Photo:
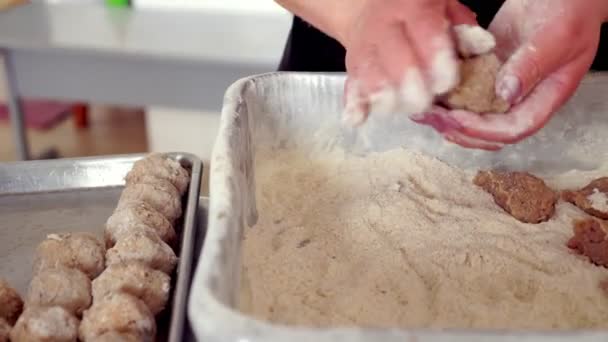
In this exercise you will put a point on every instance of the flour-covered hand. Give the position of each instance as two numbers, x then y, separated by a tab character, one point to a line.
548	47
400	55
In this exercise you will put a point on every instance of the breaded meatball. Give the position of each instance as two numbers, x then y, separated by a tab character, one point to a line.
149	285
144	247
45	324
592	199
524	196
160	195
75	250
60	286
113	336
5	330
141	216
11	304
590	240
159	166
120	313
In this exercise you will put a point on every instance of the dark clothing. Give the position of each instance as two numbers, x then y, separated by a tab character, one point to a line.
308	49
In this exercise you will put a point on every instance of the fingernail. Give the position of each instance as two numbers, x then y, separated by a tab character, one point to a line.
444	72
509	88
415	97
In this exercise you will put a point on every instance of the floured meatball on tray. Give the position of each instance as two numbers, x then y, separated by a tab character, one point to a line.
97	249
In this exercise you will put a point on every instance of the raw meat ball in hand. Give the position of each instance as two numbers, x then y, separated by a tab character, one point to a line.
5	330
137	215
590	240
136	279
60	286
160	195
82	251
158	166
11	304
524	196
120	313
593	199
476	92
144	247
45	324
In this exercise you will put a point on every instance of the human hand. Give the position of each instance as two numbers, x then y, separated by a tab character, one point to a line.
548	46
400	55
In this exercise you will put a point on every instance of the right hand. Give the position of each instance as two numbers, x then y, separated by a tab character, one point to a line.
400	55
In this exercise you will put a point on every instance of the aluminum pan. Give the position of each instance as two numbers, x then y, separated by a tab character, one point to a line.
41	197
302	111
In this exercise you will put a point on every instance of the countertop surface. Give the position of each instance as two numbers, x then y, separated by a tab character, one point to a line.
221	34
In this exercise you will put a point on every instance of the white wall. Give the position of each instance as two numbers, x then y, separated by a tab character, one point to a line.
169	129
195	131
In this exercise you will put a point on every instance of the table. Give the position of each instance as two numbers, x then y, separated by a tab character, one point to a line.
145	57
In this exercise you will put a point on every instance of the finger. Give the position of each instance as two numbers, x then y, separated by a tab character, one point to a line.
438	118
530	115
460	14
470	38
367	82
356	108
404	71
533	61
473	40
429	31
468	142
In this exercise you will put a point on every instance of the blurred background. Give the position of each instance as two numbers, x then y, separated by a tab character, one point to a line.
59	49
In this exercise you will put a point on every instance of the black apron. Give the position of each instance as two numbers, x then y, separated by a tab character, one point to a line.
308	49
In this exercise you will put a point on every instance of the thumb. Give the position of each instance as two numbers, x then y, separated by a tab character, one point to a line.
528	65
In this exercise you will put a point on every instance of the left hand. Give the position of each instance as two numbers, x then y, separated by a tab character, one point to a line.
548	46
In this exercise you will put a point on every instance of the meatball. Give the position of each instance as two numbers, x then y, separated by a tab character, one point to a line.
60	286
5	330
160	195
144	247
141	215
113	336
158	166
590	240
11	304
120	313
149	285
592	199
45	324
74	250
524	196
476	91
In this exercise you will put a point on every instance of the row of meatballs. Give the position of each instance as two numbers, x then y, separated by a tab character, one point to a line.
90	290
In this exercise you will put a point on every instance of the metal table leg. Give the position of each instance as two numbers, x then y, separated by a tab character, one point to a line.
14	107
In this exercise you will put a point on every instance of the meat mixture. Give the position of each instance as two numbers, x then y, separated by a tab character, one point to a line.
400	239
524	196
593	198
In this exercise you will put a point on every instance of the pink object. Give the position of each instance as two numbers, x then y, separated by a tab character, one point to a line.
41	114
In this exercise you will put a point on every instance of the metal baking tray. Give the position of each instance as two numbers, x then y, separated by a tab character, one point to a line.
303	111
38	198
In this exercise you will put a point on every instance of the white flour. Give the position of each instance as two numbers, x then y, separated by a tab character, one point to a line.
599	201
403	240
